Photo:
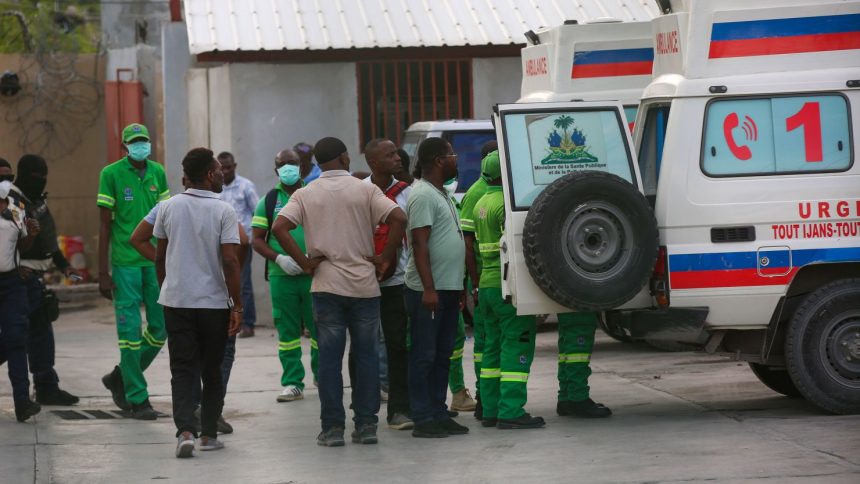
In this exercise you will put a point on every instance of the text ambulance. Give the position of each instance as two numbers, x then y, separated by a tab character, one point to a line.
745	143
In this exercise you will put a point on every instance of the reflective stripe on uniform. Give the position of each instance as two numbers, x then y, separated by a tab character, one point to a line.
491	372
487	248
457	354
151	340
164	195
105	200
515	376
478	357
314	344
574	357
259	222
467	224
125	344
290	345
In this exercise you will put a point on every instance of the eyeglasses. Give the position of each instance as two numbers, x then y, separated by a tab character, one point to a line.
452	155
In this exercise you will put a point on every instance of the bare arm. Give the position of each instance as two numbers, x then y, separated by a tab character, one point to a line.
281	230
141	240
244	243
471	260
421	253
386	262
261	247
105	282
233	278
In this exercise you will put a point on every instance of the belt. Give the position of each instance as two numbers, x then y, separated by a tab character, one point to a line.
13	272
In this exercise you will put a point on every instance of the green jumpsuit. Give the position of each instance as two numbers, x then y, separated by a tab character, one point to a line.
455	375
575	342
130	195
509	340
291	302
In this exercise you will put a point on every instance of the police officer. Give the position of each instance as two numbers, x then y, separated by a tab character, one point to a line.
128	189
509	340
32	176
14	233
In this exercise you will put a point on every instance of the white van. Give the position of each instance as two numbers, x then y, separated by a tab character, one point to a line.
745	143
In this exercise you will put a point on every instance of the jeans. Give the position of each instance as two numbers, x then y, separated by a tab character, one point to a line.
40	339
13	333
196	339
334	315
433	337
226	368
249	310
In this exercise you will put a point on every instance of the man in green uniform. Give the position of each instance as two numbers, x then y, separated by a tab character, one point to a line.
128	189
509	343
575	341
289	286
473	272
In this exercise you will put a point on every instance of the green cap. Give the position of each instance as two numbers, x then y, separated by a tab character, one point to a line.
133	131
491	167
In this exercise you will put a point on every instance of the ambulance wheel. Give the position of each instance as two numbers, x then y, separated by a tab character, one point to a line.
590	241
612	330
822	347
775	378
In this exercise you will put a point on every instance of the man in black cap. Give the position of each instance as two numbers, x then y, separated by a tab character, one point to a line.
44	253
339	214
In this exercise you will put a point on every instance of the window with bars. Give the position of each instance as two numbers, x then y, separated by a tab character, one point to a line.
394	94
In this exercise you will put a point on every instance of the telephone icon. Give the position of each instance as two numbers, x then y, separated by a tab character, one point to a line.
741	152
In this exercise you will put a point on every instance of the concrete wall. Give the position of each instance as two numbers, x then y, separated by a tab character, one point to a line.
175	64
73	173
494	81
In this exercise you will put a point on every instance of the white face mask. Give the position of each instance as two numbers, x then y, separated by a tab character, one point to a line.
5	188
451	187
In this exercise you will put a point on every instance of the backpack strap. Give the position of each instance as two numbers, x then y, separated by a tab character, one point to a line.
271	200
395	190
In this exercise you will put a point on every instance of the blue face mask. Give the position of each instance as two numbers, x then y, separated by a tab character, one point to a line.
289	175
139	150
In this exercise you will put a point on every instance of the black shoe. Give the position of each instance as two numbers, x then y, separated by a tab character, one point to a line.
453	413
26	409
479	409
587	408
113	382
452	427
429	430
525	421
143	411
365	434
489	422
56	397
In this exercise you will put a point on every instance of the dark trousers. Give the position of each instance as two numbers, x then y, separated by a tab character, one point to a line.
433	337
13	333
40	339
334	315
395	324
249	314
196	340
226	369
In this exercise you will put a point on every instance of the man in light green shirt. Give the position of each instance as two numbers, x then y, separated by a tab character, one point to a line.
434	283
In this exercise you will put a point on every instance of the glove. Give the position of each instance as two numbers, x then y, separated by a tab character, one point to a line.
289	265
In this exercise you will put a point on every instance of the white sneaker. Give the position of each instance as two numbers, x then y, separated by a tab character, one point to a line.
208	443
290	393
185	445
383	396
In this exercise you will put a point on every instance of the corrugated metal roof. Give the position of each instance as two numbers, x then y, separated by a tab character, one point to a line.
254	25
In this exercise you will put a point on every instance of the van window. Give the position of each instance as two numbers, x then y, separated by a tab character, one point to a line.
411	140
651	147
544	146
785	134
468	145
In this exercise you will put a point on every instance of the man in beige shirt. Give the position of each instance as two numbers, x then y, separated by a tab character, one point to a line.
339	214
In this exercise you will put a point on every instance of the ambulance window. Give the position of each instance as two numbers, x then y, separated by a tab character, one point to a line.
651	147
630	114
778	135
544	146
468	145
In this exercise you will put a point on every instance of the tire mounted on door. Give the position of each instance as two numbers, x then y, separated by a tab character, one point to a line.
590	241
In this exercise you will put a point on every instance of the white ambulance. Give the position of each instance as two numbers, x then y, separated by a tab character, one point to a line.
744	233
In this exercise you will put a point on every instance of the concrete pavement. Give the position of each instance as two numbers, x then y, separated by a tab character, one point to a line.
679	417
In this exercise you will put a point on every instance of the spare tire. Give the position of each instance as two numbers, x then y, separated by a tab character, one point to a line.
590	241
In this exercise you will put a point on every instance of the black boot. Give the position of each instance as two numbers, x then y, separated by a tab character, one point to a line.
525	421
113	382
55	396
143	411
479	409
25	409
587	408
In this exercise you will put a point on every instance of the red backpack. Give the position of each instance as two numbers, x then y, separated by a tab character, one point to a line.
380	235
